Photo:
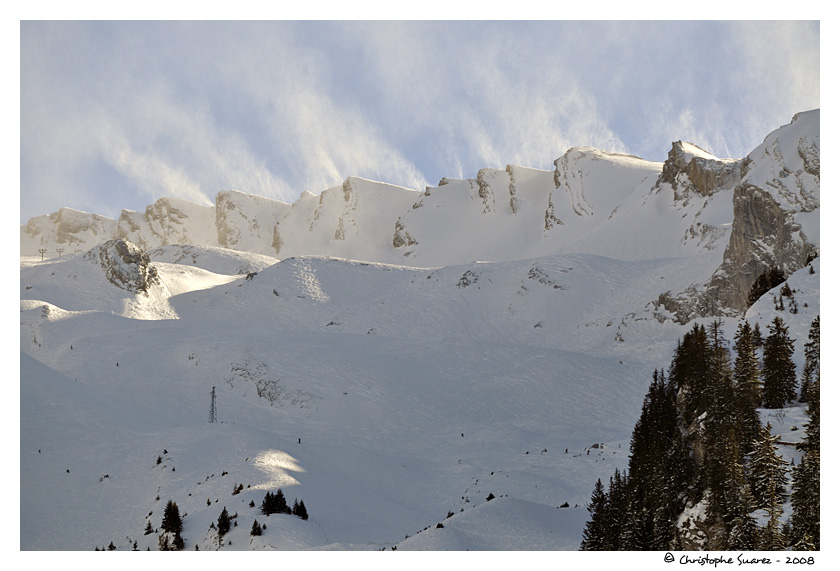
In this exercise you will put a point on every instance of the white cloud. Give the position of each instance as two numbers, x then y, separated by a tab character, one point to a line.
485	89
321	136
275	108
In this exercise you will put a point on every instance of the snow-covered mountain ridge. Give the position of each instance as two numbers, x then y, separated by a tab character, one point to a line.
749	211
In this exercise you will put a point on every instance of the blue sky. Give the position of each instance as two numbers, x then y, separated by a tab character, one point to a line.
114	115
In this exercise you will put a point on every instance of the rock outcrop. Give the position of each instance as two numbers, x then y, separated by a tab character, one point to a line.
125	265
67	230
168	221
690	169
764	235
776	218
775	213
247	222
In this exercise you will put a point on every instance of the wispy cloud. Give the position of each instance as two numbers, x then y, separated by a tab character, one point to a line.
115	115
128	120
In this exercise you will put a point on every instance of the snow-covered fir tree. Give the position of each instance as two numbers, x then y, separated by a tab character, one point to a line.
596	533
778	372
768	470
812	359
689	448
805	497
746	377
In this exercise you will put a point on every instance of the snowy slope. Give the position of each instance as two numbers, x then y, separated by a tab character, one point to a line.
214	259
380	416
487	528
806	288
414	393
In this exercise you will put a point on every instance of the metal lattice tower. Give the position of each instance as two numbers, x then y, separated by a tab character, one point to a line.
213	405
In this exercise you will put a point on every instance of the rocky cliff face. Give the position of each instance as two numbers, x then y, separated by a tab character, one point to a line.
247	222
764	235
67	230
775	209
167	221
691	170
776	212
125	265
569	177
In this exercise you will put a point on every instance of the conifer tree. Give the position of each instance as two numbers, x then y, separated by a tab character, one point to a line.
805	543
744	532
616	508
812	431
223	523
785	291
747	388
805	500
768	470
299	509
638	533
659	471
171	518
765	282
812	359
719	402
275	503
283	507
779	372
256	529
722	459
690	444
758	339
595	534
727	485
690	371
266	507
805	497
772	538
